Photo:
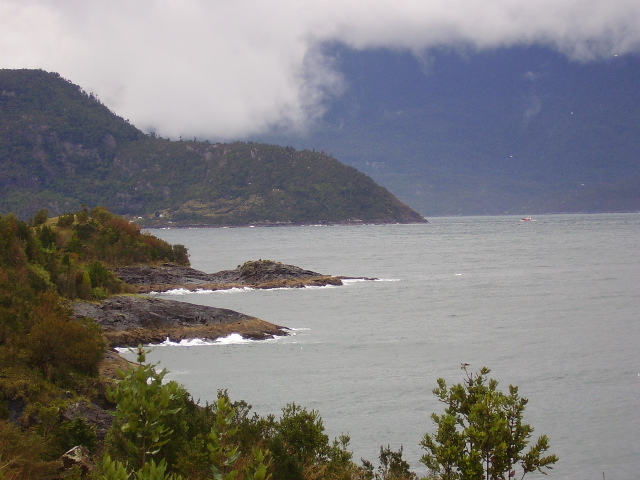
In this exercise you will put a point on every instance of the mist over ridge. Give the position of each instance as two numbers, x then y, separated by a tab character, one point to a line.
520	130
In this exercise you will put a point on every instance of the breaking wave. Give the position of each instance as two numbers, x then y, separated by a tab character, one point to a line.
231	339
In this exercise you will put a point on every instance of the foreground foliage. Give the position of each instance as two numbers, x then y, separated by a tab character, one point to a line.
49	361
481	435
158	427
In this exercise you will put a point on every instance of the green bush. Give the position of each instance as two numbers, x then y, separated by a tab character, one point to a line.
40	217
69	434
56	341
481	433
66	220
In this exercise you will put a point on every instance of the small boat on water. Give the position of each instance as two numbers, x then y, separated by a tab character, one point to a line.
526	219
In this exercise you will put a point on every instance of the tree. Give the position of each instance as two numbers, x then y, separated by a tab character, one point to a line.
481	434
66	220
392	466
302	450
224	449
143	409
40	217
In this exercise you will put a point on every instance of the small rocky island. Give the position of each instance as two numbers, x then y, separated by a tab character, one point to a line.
130	320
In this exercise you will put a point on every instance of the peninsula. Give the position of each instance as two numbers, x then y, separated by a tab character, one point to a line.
130	320
62	148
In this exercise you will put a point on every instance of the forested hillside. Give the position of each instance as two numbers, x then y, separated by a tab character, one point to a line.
60	148
49	361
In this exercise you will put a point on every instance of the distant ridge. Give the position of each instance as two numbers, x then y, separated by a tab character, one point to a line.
60	148
510	131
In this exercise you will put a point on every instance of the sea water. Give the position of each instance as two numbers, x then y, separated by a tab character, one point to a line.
551	305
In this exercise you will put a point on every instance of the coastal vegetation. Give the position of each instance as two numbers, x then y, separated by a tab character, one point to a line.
481	433
61	149
65	414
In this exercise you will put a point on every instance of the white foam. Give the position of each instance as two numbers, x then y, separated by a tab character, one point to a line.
230	290
202	291
348	281
190	342
175	291
231	339
317	287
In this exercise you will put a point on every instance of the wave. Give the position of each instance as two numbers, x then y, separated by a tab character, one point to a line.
231	339
202	291
351	281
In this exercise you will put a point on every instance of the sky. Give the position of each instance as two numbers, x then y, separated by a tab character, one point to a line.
230	69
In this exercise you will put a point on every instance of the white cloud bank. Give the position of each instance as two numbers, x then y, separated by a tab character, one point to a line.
232	68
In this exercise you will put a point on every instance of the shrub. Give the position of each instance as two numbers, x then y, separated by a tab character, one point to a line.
481	433
66	220
55	340
22	455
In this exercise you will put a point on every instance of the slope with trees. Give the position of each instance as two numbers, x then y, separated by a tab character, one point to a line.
61	148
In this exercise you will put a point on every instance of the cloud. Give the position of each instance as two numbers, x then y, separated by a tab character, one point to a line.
222	69
534	107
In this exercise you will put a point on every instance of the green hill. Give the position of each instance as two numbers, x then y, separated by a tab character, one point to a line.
60	148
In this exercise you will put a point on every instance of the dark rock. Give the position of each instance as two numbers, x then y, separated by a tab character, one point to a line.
132	320
254	274
163	274
129	320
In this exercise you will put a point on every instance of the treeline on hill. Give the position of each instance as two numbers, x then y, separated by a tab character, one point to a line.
54	400
61	148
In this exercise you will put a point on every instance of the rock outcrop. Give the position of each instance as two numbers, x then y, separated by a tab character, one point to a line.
129	320
260	274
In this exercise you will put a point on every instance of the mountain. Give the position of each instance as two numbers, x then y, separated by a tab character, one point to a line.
61	148
518	130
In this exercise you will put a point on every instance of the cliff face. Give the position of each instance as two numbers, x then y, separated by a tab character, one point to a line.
61	148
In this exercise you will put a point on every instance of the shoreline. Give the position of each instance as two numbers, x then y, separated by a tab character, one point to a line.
129	320
142	318
170	225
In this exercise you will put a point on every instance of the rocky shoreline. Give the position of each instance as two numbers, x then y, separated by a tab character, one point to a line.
259	274
131	320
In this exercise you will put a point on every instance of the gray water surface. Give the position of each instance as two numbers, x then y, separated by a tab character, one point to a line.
552	306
